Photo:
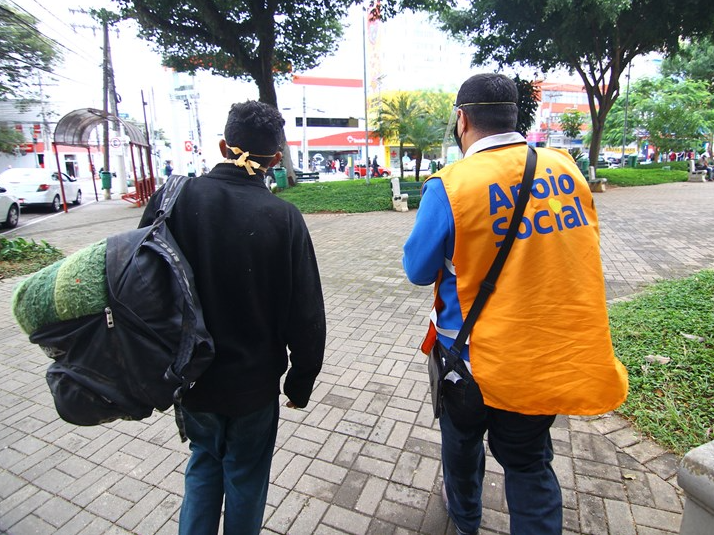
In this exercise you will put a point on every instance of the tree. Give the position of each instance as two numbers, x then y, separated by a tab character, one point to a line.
255	40
258	40
392	118
570	121
528	98
9	139
693	60
418	118
675	114
23	51
424	133
595	38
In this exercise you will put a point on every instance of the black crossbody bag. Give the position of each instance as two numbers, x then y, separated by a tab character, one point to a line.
443	361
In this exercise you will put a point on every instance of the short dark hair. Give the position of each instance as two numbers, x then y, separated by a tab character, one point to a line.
254	127
499	89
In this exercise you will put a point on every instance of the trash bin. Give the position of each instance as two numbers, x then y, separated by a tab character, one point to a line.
281	177
432	166
632	160
106	177
583	164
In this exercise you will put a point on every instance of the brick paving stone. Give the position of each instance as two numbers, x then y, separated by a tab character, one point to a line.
399	514
644	451
57	511
159	515
665	466
371	495
148	502
310	516
654	518
600	487
22	504
620	517
597	470
33	524
76	524
347	520
593	518
666	495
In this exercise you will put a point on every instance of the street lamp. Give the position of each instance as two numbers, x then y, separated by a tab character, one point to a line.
364	84
624	128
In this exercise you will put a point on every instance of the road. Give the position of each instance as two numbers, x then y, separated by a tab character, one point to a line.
30	215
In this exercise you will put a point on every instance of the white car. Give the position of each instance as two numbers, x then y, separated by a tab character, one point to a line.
411	164
9	209
40	186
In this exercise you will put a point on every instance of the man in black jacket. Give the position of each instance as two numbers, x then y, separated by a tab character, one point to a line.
258	282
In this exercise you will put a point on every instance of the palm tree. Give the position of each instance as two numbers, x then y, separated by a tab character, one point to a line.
424	134
393	119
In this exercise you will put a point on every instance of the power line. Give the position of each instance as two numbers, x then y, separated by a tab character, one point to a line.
45	37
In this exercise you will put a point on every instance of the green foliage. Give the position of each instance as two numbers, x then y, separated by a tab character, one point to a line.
694	60
21	257
570	122
249	39
528	98
418	118
23	51
676	115
645	175
345	196
595	38
9	139
672	402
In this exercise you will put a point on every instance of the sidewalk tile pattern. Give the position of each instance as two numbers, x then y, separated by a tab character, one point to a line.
364	458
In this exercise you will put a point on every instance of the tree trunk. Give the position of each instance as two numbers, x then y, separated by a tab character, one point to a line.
268	95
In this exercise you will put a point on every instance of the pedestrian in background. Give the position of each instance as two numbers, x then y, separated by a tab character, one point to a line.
541	346
259	287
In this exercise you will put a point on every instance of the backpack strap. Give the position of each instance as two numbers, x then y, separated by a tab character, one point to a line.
172	189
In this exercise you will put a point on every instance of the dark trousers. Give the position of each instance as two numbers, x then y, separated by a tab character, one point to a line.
230	457
522	446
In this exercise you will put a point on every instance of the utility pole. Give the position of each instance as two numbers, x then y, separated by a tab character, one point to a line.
109	95
105	95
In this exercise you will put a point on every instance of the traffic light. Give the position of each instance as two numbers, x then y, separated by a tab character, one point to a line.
186	104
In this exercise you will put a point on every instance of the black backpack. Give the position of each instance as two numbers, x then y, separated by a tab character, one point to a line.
150	344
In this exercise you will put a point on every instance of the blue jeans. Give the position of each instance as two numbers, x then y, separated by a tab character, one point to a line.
521	444
230	456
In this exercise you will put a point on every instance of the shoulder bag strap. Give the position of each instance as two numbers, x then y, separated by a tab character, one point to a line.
489	283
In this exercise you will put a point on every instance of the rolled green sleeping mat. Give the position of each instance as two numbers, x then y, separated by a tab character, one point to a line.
70	288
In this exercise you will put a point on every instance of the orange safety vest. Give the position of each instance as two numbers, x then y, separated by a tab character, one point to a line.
542	343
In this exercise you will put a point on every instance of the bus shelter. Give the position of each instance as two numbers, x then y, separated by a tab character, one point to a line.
75	129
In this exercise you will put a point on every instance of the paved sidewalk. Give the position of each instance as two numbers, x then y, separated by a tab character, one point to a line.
364	457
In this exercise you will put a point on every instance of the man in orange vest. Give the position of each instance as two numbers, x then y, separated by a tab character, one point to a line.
541	345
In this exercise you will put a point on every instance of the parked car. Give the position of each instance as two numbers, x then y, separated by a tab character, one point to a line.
411	164
9	209
40	186
360	171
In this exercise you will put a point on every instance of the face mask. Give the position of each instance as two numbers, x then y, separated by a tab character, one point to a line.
457	138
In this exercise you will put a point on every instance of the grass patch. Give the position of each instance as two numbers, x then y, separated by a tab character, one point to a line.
22	257
672	402
645	175
341	196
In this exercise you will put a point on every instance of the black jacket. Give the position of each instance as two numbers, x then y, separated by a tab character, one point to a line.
258	282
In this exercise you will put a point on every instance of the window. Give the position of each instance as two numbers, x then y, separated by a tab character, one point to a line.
330	122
